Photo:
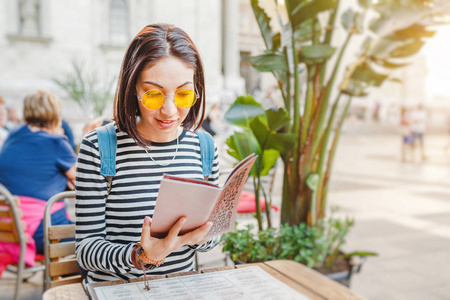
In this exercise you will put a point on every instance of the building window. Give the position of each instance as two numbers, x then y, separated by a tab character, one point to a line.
118	23
30	18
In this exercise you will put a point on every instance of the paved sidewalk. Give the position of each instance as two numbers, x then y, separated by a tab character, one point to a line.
401	211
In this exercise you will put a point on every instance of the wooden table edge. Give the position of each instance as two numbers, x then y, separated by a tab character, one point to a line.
344	291
269	266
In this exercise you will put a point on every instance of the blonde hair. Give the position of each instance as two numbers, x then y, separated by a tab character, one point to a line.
42	109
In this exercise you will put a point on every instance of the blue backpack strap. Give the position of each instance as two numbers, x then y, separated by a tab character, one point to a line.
206	151
107	146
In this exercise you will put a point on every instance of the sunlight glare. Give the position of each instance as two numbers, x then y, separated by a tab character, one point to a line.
437	53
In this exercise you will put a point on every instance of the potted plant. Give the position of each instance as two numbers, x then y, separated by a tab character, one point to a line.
317	246
87	89
305	131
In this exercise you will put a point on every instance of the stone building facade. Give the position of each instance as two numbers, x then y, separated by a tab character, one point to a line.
40	40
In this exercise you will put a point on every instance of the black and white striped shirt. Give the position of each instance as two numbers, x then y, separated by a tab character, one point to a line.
106	230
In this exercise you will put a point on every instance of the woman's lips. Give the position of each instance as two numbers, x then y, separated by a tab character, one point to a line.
166	123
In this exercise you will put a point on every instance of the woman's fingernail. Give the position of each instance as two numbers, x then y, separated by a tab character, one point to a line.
183	220
147	220
209	224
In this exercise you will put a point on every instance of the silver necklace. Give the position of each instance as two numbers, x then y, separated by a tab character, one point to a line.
163	164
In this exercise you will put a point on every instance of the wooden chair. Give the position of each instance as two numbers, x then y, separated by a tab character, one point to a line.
60	259
12	231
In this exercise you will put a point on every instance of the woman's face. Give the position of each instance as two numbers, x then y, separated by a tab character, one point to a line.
169	75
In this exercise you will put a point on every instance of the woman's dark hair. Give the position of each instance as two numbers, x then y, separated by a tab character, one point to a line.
155	42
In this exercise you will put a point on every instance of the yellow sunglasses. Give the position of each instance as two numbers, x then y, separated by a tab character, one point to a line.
154	99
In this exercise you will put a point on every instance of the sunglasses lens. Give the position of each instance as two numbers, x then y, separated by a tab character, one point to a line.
185	98
153	99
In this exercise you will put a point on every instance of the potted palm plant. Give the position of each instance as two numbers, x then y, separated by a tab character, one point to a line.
305	131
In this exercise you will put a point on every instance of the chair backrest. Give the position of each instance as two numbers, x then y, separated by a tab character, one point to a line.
12	230
11	225
60	262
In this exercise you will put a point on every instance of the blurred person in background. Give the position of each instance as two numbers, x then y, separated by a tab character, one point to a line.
92	123
376	111
206	125
37	162
407	135
69	134
13	118
419	126
216	117
447	147
213	121
3	120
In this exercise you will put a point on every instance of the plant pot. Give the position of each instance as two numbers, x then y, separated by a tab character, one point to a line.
342	277
344	272
238	262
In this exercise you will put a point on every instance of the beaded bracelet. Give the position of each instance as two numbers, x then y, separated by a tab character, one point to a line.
148	263
139	253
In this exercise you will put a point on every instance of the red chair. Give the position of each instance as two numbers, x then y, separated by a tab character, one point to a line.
247	203
12	230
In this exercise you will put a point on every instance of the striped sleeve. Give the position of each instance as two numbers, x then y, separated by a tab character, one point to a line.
93	251
208	245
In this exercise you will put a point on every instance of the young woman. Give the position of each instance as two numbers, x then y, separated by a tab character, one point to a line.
159	105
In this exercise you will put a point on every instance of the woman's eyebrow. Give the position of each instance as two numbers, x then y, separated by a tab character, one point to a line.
161	87
186	83
153	83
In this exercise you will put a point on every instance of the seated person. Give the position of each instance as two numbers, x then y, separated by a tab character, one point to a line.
68	133
3	120
37	161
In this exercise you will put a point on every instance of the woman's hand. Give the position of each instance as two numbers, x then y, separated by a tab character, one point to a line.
157	249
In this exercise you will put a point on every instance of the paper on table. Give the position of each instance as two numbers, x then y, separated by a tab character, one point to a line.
236	284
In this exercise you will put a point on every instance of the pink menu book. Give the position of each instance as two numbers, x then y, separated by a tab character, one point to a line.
200	201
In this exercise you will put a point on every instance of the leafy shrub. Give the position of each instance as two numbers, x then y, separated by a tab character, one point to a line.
315	246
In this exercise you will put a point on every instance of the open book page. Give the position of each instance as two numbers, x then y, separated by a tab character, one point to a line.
238	166
224	212
199	201
177	198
